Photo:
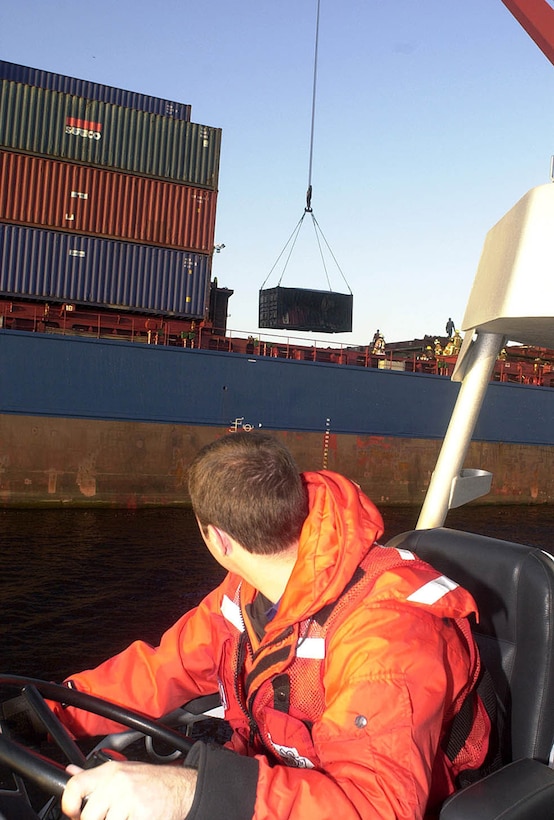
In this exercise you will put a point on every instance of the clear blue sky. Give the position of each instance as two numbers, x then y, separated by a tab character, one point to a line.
433	117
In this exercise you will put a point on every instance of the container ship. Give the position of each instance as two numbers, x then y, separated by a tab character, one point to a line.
116	363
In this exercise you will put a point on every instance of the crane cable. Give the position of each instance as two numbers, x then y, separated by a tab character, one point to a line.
314	91
308	209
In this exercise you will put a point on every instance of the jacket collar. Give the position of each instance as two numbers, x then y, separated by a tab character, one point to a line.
341	527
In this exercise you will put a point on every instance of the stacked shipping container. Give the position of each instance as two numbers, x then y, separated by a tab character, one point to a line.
80	172
49	123
64	196
93	91
53	266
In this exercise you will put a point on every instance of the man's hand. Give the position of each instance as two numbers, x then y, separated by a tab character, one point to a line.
129	791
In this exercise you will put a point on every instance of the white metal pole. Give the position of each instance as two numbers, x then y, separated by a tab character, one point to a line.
486	348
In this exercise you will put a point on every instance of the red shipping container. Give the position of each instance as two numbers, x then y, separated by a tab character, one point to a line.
48	193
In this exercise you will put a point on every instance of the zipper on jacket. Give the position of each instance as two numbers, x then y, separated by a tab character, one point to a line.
244	645
240	690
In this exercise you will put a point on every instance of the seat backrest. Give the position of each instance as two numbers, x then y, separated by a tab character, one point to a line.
513	586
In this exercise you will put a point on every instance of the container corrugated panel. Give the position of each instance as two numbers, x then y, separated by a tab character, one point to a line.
48	265
65	196
38	121
324	311
93	91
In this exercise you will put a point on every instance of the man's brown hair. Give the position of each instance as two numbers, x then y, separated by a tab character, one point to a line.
248	485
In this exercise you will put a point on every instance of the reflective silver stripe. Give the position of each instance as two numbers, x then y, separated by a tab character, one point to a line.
231	612
433	591
216	712
406	555
311	648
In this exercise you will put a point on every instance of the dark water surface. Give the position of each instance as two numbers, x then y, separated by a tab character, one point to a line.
78	585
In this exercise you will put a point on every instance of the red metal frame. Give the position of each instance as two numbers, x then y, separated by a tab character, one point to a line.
537	18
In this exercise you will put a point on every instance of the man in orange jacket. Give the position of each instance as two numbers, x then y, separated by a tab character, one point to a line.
341	664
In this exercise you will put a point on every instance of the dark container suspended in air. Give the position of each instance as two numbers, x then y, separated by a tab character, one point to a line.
323	311
61	267
94	91
37	121
48	193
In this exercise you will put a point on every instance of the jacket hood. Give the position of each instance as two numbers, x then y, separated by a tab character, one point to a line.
341	527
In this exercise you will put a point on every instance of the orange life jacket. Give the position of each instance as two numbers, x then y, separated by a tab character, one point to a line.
348	697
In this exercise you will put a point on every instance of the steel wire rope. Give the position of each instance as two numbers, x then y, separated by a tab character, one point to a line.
318	233
312	131
293	237
308	209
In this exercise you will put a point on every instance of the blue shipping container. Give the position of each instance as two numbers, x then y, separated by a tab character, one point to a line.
53	266
94	91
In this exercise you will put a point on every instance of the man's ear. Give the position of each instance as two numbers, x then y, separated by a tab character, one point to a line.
220	540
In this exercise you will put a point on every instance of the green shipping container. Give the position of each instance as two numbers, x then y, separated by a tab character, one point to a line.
39	121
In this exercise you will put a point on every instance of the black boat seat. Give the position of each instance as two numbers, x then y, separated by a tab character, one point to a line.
513	586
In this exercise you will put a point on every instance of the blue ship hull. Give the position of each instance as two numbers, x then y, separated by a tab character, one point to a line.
95	421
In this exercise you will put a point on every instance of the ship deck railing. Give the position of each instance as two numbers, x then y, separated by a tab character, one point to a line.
532	367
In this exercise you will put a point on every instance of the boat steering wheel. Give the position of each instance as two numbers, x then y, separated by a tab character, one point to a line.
49	775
